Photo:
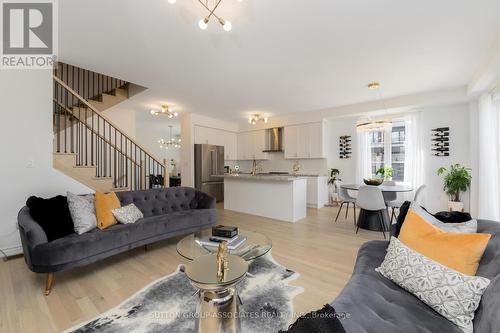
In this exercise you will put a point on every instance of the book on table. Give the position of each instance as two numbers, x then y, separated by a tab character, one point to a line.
232	243
224	231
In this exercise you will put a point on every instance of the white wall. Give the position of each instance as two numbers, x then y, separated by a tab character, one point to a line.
457	118
151	129
454	116
123	118
26	148
347	167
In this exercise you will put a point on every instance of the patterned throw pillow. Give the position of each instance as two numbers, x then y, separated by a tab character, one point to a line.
452	294
127	214
82	211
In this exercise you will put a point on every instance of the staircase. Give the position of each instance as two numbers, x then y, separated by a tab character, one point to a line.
88	146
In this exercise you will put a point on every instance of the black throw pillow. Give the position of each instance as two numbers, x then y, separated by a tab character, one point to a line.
52	215
453	217
396	229
445	217
321	321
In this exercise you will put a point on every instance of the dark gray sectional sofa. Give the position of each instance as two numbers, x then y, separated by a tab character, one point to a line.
168	212
376	304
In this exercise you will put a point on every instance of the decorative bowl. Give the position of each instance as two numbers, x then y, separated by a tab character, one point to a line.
373	181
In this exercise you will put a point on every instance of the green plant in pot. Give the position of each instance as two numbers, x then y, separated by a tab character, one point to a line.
456	180
385	172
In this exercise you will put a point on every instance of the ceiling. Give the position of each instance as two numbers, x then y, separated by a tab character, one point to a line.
282	56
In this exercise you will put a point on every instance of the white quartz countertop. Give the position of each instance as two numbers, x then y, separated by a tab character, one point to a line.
264	177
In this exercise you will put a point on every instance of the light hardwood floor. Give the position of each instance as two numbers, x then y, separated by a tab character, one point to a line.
322	251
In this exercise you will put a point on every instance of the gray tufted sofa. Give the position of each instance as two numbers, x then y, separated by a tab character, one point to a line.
168	212
376	304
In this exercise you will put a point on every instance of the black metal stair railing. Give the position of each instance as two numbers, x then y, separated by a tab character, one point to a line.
87	84
82	130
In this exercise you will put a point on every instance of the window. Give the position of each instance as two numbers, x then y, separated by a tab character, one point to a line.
387	147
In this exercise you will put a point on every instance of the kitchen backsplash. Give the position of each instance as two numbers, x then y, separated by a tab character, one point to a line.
277	163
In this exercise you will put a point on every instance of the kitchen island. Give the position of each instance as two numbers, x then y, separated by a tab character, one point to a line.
274	196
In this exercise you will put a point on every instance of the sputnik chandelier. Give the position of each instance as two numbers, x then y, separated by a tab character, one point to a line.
210	6
170	142
254	119
166	110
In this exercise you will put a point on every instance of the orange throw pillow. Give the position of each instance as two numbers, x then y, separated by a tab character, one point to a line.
104	203
461	252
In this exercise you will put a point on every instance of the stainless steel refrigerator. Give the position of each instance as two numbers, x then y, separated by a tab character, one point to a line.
209	170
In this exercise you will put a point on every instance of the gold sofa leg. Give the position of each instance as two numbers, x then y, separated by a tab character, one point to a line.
49	283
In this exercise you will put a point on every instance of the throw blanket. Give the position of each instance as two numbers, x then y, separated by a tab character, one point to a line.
321	321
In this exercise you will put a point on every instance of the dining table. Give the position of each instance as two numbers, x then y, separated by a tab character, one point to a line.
370	220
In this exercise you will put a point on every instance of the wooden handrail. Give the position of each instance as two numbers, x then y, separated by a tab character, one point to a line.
88	105
97	133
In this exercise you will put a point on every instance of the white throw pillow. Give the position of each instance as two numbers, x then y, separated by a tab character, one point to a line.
452	294
127	214
469	227
82	210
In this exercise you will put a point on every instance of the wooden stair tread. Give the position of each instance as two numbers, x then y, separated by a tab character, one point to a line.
65	154
103	178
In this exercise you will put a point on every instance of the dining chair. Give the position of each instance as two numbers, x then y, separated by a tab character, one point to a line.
389	196
345	198
397	204
370	198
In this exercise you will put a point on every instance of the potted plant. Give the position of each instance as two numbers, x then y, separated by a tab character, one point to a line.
332	182
385	172
456	180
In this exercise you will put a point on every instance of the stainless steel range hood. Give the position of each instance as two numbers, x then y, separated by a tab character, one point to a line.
274	140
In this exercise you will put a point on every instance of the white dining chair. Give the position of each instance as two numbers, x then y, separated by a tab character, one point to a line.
397	204
389	196
370	198
345	198
419	192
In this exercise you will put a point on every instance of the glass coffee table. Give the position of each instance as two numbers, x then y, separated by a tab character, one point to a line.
255	246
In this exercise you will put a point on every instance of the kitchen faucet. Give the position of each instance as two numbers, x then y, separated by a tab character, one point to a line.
256	168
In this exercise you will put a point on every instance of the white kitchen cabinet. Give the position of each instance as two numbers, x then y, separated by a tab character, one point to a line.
290	142
317	191
243	140
316	147
204	135
230	146
251	145
304	141
259	144
213	136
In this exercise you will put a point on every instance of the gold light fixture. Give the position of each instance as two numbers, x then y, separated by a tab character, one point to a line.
373	86
210	6
171	142
256	118
370	125
165	110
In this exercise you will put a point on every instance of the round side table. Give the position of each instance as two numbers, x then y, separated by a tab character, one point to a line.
218	307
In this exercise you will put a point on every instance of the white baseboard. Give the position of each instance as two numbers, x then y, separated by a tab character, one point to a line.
12	251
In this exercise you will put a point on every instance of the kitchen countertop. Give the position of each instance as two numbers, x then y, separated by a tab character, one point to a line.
264	177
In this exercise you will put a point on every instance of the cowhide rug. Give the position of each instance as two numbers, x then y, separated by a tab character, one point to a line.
168	304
